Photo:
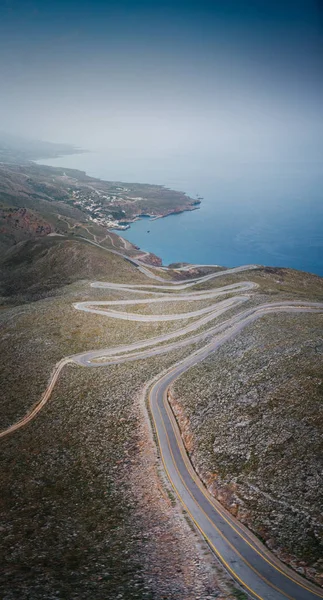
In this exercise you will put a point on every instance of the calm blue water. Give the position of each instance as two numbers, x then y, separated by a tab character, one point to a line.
264	213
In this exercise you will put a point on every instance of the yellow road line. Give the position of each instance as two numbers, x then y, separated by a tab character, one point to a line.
218	510
216	528
198	526
229	523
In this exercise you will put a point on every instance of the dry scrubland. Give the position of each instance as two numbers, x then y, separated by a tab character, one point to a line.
285	283
85	510
35	336
251	417
84	513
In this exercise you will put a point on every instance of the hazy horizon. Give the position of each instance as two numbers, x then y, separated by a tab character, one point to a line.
236	80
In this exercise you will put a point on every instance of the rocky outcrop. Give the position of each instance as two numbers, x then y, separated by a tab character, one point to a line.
22	224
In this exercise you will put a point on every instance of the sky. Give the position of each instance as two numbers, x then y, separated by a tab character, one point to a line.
236	78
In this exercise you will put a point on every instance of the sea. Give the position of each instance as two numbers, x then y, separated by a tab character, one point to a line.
268	213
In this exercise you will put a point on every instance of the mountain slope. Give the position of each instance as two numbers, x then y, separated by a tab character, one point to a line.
36	268
251	417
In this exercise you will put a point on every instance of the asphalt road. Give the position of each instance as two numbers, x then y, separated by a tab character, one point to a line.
258	572
246	559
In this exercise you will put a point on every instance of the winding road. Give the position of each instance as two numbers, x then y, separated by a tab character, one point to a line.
245	558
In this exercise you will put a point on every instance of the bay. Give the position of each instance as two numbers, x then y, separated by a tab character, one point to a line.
261	212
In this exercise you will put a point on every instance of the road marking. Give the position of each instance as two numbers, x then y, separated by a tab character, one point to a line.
213	524
208	497
193	519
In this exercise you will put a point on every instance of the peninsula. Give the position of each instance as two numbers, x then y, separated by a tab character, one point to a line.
59	191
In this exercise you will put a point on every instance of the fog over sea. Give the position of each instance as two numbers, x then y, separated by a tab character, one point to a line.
269	213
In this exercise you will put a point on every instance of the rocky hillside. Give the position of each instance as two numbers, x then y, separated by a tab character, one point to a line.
17	224
251	416
36	268
36	202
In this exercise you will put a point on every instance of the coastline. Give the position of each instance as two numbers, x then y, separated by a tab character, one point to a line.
127	202
155	217
229	229
181	201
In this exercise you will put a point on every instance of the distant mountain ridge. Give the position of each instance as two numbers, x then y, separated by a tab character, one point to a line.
16	149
